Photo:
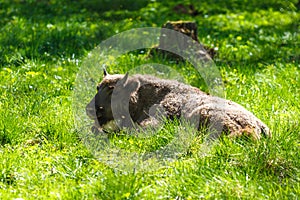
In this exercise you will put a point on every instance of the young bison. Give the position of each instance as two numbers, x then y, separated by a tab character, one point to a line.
142	100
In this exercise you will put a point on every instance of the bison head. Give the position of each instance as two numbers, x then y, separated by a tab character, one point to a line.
102	107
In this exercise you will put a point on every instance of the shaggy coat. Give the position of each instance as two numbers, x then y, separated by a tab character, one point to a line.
144	100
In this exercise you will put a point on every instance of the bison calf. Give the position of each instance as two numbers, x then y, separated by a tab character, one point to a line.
142	100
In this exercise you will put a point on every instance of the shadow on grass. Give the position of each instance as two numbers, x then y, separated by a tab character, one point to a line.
53	29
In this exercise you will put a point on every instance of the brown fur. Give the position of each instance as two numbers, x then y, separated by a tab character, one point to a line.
139	99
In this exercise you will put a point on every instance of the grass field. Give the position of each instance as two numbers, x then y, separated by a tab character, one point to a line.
42	46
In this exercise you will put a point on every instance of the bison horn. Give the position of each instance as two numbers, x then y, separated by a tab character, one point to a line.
104	71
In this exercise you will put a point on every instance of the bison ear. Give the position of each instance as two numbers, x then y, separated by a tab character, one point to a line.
124	80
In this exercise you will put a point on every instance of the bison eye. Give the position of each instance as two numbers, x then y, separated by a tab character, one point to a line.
101	108
98	88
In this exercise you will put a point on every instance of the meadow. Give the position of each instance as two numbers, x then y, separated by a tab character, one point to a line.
42	46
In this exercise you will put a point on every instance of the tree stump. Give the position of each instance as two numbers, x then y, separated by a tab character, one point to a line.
186	27
179	44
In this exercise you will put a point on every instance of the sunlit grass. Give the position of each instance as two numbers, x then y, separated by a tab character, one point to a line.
42	155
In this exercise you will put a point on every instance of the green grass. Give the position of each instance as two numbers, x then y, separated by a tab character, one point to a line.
42	46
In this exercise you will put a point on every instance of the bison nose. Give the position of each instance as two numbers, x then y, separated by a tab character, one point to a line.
90	112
